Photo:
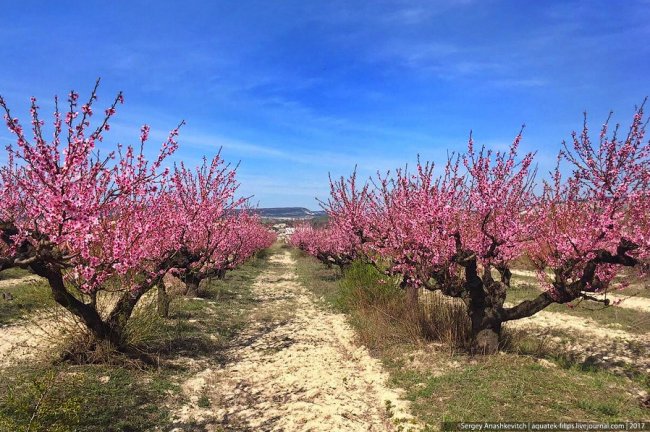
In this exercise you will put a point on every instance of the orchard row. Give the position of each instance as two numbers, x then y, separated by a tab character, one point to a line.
92	219
460	230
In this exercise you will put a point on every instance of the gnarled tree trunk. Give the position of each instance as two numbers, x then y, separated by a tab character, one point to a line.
113	328
484	307
192	283
163	300
486	330
86	313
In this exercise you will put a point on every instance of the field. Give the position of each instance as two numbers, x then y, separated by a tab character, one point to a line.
402	216
276	346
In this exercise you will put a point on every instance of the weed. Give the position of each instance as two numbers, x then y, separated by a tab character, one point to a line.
204	401
26	298
446	386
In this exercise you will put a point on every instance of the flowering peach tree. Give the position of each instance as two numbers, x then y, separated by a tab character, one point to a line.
213	232
90	222
339	243
595	221
459	232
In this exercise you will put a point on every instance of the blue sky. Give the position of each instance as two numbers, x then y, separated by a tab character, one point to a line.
297	89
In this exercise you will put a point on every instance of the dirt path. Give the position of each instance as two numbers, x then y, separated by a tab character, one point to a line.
22	341
295	368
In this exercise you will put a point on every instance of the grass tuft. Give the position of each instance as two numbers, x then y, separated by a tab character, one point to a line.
529	382
110	392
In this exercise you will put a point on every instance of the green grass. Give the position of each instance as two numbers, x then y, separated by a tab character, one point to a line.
203	327
638	286
444	385
27	297
514	388
14	273
84	398
127	396
635	290
630	320
322	281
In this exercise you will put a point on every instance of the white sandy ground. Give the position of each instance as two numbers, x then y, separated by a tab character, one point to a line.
589	341
8	283
296	368
627	302
30	339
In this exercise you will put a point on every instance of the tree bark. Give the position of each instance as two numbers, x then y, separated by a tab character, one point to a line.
122	312
486	330
163	300
485	300
528	307
192	283
88	314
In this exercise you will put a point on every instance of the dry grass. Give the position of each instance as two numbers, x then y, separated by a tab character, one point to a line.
530	380
378	308
444	319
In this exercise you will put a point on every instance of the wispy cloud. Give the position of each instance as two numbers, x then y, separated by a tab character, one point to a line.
305	88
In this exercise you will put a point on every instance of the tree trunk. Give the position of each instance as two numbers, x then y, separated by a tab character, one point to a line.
486	330
163	300
122	312
86	313
221	274
485	300
192	283
413	296
112	329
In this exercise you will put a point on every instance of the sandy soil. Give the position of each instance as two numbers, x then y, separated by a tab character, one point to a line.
8	283
628	302
295	368
589	341
25	339
34	338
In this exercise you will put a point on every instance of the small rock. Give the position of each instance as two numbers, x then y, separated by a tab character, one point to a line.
547	364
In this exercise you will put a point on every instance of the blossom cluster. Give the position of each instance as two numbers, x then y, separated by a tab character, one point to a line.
74	206
484	210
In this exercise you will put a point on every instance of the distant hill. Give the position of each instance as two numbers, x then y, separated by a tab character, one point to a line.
289	213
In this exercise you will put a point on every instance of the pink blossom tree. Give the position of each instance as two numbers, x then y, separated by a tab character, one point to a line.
459	233
449	233
216	233
330	244
201	201
339	243
83	221
595	221
115	224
